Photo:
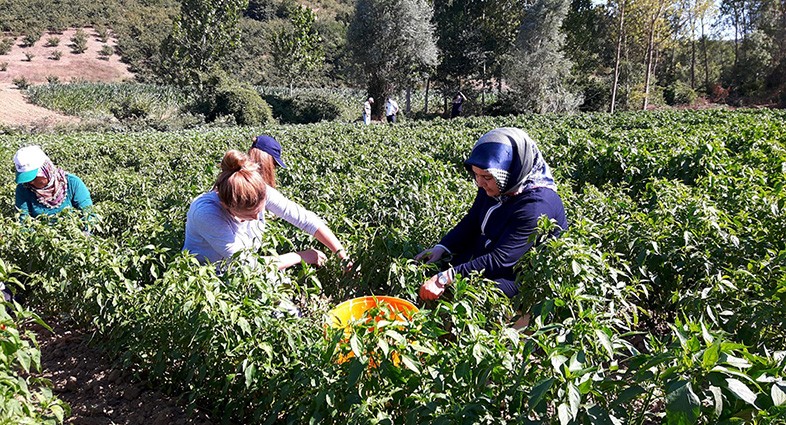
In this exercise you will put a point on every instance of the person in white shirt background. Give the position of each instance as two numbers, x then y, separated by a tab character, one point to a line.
391	110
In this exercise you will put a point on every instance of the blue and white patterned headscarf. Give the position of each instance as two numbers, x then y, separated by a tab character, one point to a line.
512	157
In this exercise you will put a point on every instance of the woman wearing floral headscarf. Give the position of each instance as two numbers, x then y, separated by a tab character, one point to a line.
44	189
515	188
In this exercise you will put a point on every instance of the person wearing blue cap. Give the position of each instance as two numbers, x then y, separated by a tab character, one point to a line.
515	188
230	218
44	189
266	152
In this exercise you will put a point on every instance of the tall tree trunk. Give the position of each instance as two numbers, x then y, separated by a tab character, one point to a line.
425	105
706	58
692	51
617	61
651	55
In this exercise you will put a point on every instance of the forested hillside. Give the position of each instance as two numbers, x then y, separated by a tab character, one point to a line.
506	56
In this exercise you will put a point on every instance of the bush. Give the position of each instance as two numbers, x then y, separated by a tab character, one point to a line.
21	83
52	41
79	41
3	66
30	39
508	103
106	51
56	55
29	56
53	79
223	96
103	33
679	93
5	45
304	108
131	108
244	103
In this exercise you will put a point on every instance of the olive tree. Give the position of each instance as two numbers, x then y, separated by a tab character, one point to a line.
539	72
392	43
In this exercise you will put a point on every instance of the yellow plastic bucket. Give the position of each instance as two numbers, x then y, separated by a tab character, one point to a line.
343	314
348	311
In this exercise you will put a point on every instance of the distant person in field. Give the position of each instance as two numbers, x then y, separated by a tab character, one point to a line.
391	110
266	152
367	110
42	188
457	104
515	188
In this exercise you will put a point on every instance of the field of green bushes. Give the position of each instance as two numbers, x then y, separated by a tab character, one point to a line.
663	302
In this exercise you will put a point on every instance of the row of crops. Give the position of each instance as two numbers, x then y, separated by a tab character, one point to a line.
664	301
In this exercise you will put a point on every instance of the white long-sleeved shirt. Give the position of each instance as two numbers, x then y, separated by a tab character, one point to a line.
212	234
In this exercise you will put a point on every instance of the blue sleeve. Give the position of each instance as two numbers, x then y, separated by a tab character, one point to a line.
508	250
466	230
22	203
80	196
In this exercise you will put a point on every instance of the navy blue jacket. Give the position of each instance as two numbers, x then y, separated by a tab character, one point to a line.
494	235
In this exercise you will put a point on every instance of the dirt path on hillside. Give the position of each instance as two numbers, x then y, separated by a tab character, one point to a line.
98	393
17	112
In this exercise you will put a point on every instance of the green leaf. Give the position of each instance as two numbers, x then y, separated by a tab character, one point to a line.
410	364
711	356
605	341
708	339
682	404
355	344
244	325
396	336
739	389
384	346
628	394
58	412
574	399
250	374
538	392
778	393
717	398
599	416
563	412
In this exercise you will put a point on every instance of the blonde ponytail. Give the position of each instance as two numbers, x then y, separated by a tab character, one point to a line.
240	186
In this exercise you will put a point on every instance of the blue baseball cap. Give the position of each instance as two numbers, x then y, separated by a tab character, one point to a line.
270	146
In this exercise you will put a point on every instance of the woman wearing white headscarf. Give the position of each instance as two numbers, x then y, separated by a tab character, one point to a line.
45	189
515	188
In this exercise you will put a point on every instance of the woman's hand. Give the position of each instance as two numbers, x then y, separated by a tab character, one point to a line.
434	287
431	255
346	262
313	256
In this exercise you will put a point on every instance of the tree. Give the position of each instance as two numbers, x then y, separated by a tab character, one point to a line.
392	42
656	24
620	38
475	38
540	72
297	48
204	33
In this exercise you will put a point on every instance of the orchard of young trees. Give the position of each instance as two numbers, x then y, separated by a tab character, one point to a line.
506	55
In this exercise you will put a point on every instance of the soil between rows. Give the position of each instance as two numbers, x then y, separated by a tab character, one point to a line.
99	392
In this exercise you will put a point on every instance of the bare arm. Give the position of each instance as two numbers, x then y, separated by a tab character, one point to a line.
327	238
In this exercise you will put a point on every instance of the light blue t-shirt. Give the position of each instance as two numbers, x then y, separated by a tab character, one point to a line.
212	234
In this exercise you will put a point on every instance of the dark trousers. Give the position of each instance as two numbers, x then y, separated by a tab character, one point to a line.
392	118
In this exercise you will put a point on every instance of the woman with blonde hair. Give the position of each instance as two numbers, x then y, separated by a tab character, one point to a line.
266	152
230	218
